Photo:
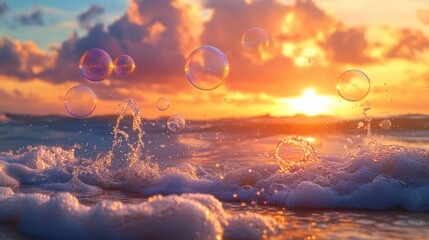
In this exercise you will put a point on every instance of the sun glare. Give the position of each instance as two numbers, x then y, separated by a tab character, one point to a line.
310	103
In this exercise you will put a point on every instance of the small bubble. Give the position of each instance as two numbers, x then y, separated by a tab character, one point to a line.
255	40
176	123
385	124
80	101
124	65
162	104
206	68
230	97
95	65
353	85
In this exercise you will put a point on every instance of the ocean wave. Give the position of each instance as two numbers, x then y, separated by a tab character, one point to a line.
188	216
384	177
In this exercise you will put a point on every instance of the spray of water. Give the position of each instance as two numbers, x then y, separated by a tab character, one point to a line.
295	153
127	146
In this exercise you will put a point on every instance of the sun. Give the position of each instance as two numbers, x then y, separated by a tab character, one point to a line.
311	104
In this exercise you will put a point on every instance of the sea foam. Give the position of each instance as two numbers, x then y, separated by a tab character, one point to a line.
387	177
188	216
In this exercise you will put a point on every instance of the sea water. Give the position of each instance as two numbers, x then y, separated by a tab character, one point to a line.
131	178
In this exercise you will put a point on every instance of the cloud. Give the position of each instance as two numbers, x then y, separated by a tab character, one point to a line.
4	8
33	18
160	34
423	16
89	15
411	45
150	32
348	46
21	60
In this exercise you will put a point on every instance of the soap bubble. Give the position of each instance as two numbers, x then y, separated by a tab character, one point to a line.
385	124
206	68
96	64
162	104
80	101
230	97
295	153
176	123
353	85
124	65
255	40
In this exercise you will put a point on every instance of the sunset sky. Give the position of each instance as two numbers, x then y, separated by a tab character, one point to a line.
311	44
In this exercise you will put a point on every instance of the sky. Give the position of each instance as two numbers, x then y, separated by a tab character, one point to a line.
312	42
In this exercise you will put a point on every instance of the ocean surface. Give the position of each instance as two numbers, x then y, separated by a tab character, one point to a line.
125	177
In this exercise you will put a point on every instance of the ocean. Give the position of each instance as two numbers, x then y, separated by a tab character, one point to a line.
126	177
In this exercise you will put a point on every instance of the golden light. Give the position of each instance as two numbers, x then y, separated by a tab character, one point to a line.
311	104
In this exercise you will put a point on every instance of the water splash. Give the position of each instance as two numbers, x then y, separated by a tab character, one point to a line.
300	153
127	146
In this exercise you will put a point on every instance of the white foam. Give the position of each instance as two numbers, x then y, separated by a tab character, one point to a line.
385	178
189	216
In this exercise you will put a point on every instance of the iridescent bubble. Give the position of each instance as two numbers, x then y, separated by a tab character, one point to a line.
162	104
206	68
255	40
295	153
353	85
80	101
95	65
385	124
124	65
176	123
230	97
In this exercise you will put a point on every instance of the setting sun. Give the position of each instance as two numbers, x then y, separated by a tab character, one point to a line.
311	104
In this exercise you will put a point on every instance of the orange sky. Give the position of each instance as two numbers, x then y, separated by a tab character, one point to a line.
311	44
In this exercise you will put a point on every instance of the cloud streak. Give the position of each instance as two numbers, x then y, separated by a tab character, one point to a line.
33	18
87	17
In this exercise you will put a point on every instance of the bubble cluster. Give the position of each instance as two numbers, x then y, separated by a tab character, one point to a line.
206	68
80	101
385	124
124	65
230	97
353	85
176	123
295	153
255	40
162	104
96	65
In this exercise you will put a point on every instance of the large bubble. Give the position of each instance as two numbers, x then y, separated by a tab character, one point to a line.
176	123
206	68
80	101
255	40
162	104
124	65
96	65
353	85
295	153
